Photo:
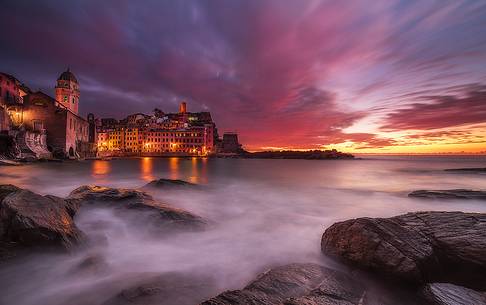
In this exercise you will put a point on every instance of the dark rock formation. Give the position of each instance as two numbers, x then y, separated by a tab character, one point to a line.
6	189
295	284
416	247
449	294
467	170
293	154
29	219
169	183
449	194
130	199
168	288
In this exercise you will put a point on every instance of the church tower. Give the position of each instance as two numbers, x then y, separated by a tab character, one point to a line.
67	91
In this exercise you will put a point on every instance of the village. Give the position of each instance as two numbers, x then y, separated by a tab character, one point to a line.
36	126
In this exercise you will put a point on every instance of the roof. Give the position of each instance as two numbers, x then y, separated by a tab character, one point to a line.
10	77
58	105
67	75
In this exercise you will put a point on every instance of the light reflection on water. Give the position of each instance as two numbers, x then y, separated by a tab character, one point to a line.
174	168
100	168
146	169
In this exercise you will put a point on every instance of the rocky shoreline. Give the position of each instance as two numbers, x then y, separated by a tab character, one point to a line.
30	220
436	257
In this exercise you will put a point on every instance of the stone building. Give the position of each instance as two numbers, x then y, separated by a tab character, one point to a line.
229	144
67	91
67	133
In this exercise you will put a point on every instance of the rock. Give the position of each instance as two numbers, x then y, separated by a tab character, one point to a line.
416	247
29	219
95	194
449	194
449	294
295	284
467	170
91	264
169	183
168	288
131	199
6	189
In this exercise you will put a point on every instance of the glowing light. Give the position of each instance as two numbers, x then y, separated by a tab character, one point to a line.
147	169
100	169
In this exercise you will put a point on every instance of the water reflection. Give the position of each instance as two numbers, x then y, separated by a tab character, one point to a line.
174	168
146	169
100	169
194	178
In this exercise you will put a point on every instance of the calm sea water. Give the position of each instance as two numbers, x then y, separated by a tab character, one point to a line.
264	213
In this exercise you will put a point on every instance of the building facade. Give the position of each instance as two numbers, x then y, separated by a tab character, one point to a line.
182	133
12	93
39	122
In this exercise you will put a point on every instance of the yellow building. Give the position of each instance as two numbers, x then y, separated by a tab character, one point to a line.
133	140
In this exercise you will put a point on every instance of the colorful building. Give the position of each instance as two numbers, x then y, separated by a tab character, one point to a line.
182	133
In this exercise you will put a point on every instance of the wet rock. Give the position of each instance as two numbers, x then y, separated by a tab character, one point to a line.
30	219
6	189
170	183
130	199
295	284
449	294
168	288
416	247
467	170
449	194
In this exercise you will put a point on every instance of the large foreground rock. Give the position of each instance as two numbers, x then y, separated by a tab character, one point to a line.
449	294
416	247
449	194
303	284
30	219
139	201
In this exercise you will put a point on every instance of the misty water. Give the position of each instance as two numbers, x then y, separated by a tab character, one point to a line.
263	213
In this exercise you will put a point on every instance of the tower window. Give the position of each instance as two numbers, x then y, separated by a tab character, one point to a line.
74	100
65	98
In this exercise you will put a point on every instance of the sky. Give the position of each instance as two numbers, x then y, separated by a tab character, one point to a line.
381	76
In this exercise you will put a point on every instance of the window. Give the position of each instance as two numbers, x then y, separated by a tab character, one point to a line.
38	126
74	100
65	98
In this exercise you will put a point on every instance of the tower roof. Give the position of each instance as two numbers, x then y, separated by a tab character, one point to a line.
68	75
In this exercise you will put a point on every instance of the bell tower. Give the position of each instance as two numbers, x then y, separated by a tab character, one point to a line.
67	91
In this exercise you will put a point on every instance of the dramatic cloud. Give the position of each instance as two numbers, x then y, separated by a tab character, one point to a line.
298	74
441	112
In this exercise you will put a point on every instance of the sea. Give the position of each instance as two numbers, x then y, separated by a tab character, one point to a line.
262	213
